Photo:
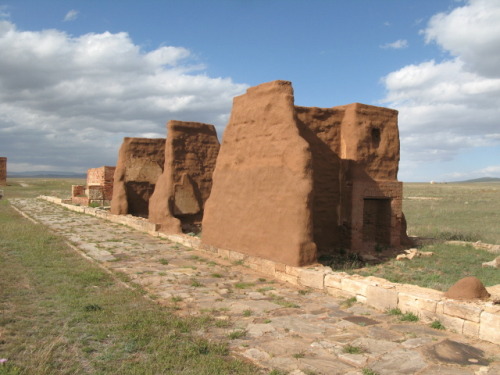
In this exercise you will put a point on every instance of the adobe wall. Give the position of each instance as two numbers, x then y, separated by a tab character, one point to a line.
140	163
178	201
262	185
295	183
3	171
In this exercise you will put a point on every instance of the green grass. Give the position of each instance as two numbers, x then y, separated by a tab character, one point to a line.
350	349
242	285
369	371
237	334
409	317
349	302
468	212
395	312
404	317
63	315
279	300
449	264
58	187
437	325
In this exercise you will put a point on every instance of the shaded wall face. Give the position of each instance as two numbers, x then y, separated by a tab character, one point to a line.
140	163
180	194
262	186
3	171
321	129
138	195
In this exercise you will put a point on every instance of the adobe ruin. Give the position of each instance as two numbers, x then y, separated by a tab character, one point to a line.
181	191
3	171
293	183
140	163
98	190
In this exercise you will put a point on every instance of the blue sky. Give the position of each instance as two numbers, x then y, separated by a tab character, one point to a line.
78	76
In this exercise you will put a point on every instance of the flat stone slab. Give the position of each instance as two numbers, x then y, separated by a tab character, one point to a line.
449	351
361	320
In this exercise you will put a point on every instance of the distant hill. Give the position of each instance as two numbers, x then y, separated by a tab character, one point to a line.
482	179
45	174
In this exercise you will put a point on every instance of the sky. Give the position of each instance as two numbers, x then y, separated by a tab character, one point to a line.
76	76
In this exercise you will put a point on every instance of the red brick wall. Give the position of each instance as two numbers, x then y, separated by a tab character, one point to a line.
101	177
3	171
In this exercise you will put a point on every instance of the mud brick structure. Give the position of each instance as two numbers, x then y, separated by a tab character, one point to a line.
293	183
181	191
99	188
140	163
3	171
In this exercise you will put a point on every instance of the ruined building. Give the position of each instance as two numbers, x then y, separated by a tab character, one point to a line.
140	163
294	183
181	191
99	188
3	171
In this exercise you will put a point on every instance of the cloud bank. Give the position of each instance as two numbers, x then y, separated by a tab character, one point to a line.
450	106
66	102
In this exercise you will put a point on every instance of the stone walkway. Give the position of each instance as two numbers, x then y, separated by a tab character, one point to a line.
273	324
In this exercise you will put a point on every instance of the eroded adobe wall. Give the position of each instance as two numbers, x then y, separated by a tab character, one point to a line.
372	198
140	163
261	197
3	171
370	138
181	191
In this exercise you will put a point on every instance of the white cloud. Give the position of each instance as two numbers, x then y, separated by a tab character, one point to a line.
398	44
449	107
471	32
71	15
67	102
492	170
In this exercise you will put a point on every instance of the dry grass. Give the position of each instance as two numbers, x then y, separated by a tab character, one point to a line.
60	314
468	212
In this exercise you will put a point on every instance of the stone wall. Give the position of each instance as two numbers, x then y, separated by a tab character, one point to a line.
3	171
178	201
140	163
293	184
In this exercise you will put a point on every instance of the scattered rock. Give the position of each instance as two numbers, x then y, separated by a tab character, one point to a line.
414	253
467	288
495	263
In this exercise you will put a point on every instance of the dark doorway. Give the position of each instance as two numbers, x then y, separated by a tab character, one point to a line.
377	221
138	194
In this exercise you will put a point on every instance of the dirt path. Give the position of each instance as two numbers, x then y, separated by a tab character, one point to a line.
273	324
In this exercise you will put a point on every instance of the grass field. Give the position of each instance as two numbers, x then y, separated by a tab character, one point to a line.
468	212
60	314
33	187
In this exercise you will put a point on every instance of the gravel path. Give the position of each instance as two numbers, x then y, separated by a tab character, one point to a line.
273	324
